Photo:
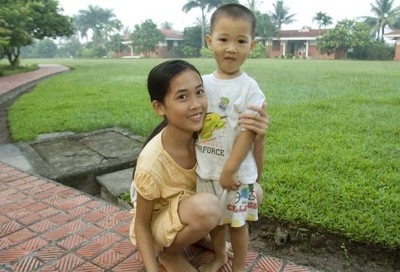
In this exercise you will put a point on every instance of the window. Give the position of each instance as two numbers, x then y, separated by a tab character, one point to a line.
276	45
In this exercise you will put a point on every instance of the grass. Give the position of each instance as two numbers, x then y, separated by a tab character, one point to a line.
333	148
6	69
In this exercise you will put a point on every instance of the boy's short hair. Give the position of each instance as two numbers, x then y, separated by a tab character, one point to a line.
236	11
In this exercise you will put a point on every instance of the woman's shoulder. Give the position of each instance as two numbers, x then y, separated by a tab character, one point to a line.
151	151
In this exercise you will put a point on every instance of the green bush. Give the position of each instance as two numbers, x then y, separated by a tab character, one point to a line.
259	52
377	50
206	53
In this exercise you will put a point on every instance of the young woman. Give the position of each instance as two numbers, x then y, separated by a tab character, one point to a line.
169	215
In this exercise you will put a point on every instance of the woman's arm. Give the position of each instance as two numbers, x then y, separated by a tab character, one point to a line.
144	238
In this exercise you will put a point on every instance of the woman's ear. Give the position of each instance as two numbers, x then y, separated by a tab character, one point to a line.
158	107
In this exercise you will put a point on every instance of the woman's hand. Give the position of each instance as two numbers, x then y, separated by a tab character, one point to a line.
256	122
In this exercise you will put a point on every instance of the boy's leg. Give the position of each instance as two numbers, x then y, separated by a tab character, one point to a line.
218	238
240	241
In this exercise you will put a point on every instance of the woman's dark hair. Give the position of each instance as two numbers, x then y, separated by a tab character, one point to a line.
158	83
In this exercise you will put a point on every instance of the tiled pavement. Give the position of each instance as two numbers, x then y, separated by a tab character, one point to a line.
46	226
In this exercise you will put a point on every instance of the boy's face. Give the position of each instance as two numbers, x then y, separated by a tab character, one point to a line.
231	43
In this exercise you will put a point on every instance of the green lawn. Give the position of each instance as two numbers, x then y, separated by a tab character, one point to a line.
333	148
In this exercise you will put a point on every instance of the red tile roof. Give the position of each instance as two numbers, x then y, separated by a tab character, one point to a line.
306	33
172	34
394	34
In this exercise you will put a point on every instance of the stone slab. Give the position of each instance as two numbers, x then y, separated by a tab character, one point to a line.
114	184
76	159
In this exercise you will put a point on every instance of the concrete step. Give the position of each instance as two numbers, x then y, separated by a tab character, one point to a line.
112	185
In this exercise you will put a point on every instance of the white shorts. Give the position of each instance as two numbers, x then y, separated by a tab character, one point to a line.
237	207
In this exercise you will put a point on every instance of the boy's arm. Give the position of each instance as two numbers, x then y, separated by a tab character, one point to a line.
259	147
239	151
258	123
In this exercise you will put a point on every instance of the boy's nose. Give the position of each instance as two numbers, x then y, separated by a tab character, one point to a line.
231	48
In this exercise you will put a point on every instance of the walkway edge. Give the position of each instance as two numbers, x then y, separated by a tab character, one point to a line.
15	91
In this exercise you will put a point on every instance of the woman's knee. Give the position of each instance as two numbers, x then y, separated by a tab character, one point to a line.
206	209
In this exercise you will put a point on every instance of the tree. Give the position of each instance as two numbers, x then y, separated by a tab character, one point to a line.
280	16
385	15
101	22
26	20
192	41
115	44
253	5
205	6
265	28
346	34
166	25
322	19
146	36
72	48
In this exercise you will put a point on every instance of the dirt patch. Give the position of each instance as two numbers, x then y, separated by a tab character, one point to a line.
323	251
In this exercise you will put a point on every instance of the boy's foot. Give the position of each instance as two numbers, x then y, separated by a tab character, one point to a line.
175	262
214	265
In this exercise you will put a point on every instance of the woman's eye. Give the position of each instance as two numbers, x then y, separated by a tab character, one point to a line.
200	91
182	96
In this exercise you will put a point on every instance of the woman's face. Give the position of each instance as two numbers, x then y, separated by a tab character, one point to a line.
185	105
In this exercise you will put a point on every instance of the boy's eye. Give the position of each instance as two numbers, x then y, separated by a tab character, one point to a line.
242	41
222	39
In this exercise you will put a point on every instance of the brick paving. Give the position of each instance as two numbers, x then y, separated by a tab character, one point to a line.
46	226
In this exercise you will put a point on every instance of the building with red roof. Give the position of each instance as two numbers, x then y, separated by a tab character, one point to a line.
395	35
301	43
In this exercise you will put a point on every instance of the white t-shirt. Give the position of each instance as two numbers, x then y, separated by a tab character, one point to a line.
227	99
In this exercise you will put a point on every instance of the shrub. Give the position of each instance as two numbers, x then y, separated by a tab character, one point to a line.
206	53
259	51
377	50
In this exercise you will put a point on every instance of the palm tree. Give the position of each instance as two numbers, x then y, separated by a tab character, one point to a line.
253	5
322	19
204	5
280	15
386	15
166	25
100	21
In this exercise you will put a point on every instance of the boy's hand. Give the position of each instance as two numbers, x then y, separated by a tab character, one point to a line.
228	181
257	122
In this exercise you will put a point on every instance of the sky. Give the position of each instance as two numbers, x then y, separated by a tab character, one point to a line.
132	12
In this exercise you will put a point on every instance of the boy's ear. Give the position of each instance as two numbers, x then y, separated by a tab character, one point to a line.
158	107
208	40
253	44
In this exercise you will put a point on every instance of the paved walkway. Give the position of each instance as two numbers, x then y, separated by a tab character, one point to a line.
46	226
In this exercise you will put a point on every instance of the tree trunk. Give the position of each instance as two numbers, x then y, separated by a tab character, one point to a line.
203	28
13	56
